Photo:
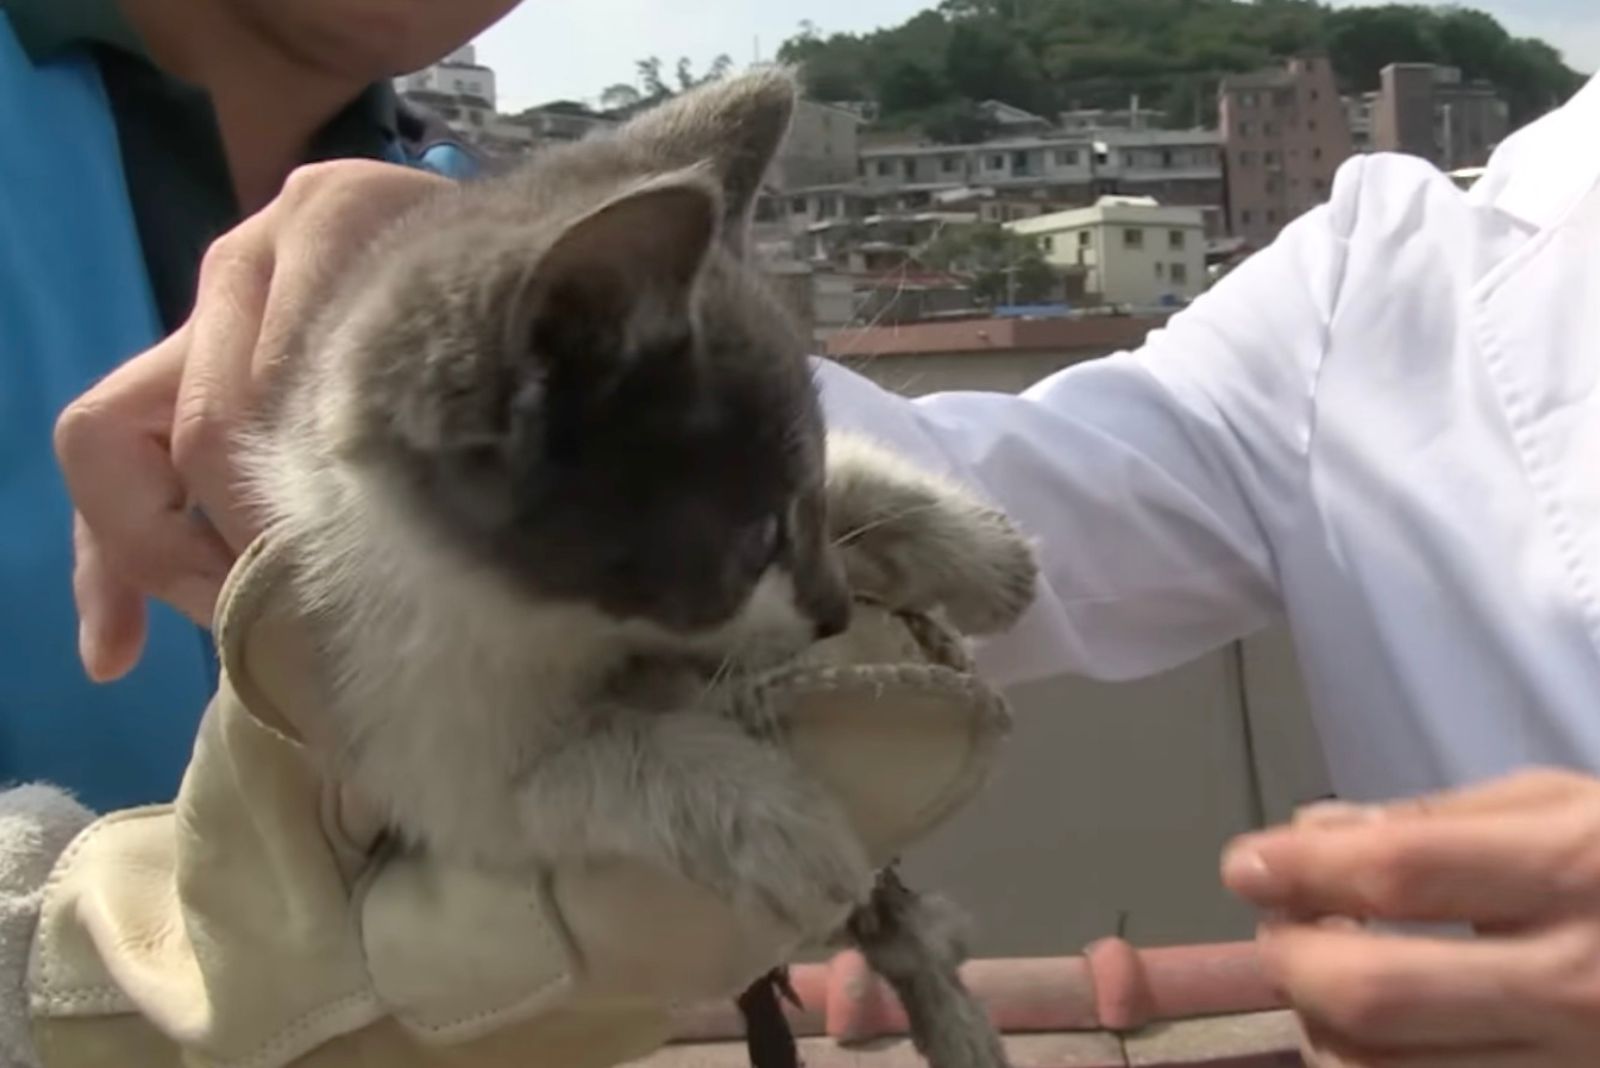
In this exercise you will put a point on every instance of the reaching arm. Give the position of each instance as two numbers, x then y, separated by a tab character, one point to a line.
1154	481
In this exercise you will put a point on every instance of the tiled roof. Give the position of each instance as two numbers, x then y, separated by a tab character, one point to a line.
1112	1007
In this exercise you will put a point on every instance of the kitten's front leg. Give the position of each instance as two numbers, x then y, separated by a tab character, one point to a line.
693	794
919	543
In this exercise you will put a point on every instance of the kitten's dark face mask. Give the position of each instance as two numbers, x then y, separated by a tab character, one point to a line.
620	414
658	451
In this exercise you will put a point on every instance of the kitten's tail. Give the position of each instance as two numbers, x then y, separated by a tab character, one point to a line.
916	944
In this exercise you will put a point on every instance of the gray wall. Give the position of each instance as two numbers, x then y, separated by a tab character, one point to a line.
1111	802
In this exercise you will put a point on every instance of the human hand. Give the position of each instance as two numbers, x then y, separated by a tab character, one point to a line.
149	451
1518	860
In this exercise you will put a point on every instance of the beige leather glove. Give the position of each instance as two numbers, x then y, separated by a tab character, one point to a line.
251	924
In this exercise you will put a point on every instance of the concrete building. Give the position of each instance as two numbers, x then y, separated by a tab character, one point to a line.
824	148
1176	167
457	75
1132	117
1360	112
562	120
1429	111
1135	252
1284	134
1010	121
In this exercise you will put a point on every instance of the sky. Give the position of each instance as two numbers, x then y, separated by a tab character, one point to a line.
553	49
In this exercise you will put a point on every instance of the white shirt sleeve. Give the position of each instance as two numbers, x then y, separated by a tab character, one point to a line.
1155	482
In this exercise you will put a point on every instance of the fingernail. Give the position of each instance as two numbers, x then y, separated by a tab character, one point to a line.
89	650
1246	872
1336	813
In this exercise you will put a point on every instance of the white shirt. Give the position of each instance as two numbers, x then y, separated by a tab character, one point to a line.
1385	428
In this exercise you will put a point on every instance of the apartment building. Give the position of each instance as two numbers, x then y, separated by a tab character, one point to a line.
1284	134
457	75
561	121
1134	251
1183	167
1430	111
823	148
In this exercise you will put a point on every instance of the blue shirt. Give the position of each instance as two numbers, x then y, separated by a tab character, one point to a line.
76	299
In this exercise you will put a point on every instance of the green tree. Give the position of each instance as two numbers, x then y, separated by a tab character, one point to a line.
1048	55
1001	266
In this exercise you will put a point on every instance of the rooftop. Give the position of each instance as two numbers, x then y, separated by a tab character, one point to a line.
1094	333
1113	210
1112	1007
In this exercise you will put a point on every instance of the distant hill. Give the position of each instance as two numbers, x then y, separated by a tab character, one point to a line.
1053	55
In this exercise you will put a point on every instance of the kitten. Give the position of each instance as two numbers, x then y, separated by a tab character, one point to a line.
550	461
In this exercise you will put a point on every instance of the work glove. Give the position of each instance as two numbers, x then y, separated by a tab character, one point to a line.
262	921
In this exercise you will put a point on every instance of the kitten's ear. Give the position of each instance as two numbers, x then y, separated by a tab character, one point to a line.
735	126
622	278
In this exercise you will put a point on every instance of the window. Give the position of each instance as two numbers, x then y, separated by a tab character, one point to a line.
997	163
1161	270
1316	153
1066	157
1166	157
949	164
1269	158
909	169
1179	274
1175	239
798	205
1133	237
1247	158
885	168
1311	124
1316	94
1083	239
1246	217
1247	100
1270	129
1244	129
1319	185
1272	216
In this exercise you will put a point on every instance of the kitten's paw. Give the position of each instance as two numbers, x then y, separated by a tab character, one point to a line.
918	543
1000	589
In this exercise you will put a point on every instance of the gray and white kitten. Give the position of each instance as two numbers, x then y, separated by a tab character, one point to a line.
550	462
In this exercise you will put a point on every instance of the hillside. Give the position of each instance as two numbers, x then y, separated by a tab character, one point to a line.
1051	55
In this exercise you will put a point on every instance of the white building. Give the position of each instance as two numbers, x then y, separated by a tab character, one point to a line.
1136	252
459	74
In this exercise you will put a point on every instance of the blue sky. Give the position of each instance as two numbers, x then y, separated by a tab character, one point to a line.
574	48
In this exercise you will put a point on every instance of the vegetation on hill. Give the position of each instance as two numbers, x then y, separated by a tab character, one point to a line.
1051	55
1002	267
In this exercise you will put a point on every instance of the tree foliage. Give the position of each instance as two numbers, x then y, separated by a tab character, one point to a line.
1050	55
1001	266
652	85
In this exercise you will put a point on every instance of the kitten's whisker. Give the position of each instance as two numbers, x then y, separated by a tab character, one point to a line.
858	532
